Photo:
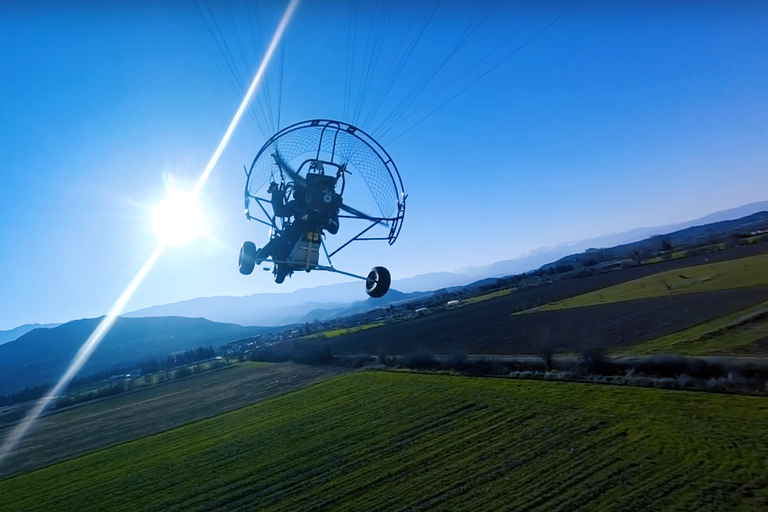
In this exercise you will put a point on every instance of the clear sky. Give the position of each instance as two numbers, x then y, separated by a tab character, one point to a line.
619	115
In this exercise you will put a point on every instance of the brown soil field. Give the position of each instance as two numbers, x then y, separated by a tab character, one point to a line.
490	328
79	430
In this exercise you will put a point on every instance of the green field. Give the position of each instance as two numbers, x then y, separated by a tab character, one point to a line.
149	410
674	256
739	273
387	440
488	296
739	333
333	333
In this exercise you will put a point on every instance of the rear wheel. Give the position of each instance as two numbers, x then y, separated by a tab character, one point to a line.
378	281
247	258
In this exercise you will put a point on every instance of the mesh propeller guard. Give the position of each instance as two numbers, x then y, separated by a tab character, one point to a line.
340	143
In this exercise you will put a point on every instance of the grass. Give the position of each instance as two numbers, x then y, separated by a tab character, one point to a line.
738	273
488	296
145	411
731	334
385	441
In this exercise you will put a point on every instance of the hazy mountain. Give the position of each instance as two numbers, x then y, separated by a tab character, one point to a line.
42	355
432	281
733	213
539	257
6	336
361	306
273	309
298	314
270	309
695	234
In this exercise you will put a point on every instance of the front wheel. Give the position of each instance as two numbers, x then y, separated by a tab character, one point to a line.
247	258
378	281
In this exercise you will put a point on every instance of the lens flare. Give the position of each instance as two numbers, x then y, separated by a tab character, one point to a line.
101	330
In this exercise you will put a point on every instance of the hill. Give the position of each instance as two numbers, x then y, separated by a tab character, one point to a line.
396	441
303	305
361	306
12	334
547	255
716	232
42	355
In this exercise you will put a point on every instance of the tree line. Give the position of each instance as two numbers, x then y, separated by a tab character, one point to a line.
146	366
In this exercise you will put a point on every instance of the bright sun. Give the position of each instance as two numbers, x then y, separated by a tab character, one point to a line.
178	220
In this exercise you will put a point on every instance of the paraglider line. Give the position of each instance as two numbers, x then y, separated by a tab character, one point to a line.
502	61
248	95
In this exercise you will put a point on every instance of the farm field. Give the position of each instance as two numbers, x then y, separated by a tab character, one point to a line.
490	327
742	333
333	333
570	288
91	426
392	440
487	296
574	287
724	275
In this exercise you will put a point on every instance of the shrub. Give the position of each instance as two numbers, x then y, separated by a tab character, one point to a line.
419	362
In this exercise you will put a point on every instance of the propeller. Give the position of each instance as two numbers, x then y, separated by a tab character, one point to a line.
358	213
283	166
297	178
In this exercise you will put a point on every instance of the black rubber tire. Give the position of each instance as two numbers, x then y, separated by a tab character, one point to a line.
247	258
378	281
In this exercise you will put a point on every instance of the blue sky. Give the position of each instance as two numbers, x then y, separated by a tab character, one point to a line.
620	115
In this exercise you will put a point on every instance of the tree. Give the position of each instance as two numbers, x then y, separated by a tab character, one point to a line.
732	240
661	243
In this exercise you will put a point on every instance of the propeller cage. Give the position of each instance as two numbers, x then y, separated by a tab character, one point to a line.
324	150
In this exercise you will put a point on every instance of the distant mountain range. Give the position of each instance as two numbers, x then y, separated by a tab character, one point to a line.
687	236
6	336
361	306
539	257
331	301
274	309
43	355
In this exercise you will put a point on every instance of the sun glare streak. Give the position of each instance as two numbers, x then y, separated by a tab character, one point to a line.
248	95
101	330
82	355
